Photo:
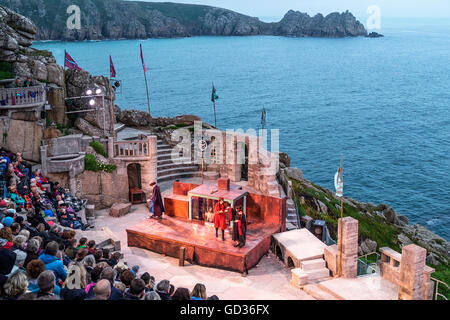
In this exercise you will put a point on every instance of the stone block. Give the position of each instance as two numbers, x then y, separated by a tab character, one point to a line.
119	209
412	269
223	184
348	245
331	258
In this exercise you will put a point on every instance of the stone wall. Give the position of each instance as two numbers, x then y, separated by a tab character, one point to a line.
22	136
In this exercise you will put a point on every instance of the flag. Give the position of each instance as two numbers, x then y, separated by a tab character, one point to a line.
143	63
112	70
214	96
339	182
70	63
263	117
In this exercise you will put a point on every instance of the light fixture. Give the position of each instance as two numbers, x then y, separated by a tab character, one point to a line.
98	91
91	102
89	92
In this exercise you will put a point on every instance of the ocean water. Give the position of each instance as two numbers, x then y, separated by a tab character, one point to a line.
381	103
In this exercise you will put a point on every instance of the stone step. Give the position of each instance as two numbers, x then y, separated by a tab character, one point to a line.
180	169
328	291
169	161
299	278
317	293
310	265
179	176
172	165
318	274
290	226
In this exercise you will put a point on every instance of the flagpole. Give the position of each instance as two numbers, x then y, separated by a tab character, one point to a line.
146	87
340	228
111	108
215	120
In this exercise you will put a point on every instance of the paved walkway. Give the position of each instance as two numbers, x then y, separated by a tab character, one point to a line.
269	280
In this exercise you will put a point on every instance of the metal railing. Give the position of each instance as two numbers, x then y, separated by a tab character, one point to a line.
436	289
368	266
131	149
23	97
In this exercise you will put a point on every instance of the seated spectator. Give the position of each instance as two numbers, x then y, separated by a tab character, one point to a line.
98	255
136	291
32	251
16	285
20	259
135	270
69	221
213	297
52	262
34	269
91	246
39	177
127	277
95	277
108	274
29	82
19	243
6	239
199	292
162	289
152	295
89	263
7	260
181	294
15	229
81	254
115	258
82	243
148	284
46	282
102	290
23	232
71	250
121	287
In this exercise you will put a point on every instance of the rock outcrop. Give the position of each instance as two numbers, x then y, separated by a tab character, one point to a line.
118	19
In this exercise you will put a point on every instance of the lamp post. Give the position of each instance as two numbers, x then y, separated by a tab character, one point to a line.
92	95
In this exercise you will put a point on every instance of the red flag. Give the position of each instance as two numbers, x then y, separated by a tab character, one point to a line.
112	70
70	63
143	63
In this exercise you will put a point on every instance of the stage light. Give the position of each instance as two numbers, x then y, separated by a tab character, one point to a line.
89	92
91	102
98	91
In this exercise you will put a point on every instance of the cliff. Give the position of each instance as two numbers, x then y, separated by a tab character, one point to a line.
117	19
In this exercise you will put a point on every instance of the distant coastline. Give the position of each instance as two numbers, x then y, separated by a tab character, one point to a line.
118	19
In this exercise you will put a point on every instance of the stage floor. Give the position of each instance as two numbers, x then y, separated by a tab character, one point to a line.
167	236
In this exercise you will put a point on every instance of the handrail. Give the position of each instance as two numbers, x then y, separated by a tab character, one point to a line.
131	148
436	289
22	97
367	263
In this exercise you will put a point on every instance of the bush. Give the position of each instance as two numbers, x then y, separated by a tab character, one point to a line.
98	147
92	164
6	70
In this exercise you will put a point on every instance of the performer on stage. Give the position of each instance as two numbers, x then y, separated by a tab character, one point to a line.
219	217
158	205
241	226
235	233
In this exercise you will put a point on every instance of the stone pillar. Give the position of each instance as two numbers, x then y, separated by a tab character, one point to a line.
72	182
110	147
348	247
411	283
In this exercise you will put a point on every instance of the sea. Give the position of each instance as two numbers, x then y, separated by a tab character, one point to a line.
383	104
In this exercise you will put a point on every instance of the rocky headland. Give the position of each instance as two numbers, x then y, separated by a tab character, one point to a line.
118	19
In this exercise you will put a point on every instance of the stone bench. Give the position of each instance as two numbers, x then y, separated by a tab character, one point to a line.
119	209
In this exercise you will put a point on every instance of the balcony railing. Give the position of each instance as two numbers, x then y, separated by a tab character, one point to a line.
132	149
22	97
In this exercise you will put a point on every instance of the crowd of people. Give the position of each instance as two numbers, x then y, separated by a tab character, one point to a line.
41	259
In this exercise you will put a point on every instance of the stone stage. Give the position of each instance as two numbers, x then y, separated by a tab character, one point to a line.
167	236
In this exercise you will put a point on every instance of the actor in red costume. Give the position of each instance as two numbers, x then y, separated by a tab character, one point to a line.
219	217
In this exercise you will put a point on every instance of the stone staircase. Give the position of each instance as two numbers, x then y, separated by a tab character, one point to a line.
291	215
310	272
167	170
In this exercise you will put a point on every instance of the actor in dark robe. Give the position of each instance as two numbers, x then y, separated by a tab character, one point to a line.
234	226
158	205
219	217
241	224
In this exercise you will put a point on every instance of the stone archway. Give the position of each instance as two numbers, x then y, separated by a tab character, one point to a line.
134	175
290	263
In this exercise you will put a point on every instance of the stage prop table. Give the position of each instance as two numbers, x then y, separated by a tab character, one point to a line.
202	200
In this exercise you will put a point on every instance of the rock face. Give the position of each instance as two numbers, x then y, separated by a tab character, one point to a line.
117	19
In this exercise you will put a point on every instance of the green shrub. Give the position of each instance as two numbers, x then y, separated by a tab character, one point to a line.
98	147
92	164
6	70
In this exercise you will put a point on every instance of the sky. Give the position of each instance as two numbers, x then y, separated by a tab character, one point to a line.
277	8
